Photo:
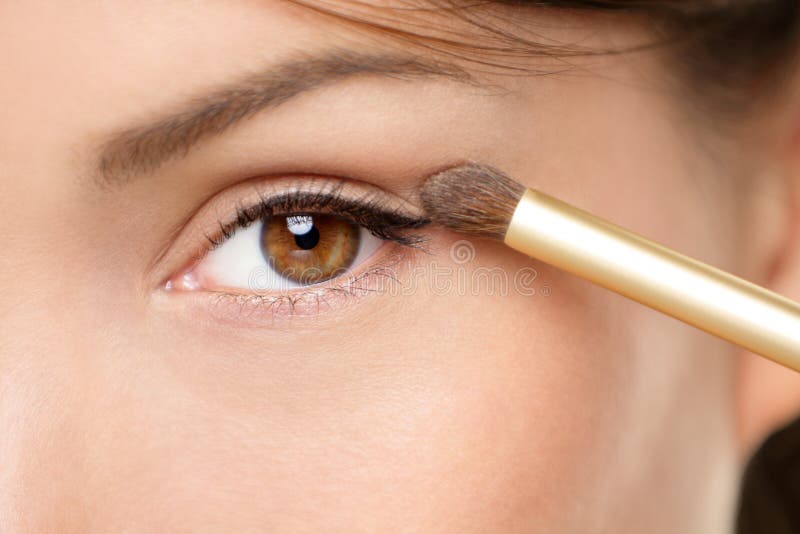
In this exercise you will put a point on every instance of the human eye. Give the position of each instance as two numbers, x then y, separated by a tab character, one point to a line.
296	242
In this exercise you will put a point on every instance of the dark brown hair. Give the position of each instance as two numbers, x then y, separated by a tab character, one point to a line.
732	52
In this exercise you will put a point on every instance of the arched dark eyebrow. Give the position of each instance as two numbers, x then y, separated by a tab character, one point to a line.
143	148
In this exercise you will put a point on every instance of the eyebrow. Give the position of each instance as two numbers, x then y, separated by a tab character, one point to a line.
141	149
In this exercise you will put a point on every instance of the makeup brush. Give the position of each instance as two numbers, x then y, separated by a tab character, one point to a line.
482	201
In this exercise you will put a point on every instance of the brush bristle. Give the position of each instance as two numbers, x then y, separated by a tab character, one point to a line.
472	199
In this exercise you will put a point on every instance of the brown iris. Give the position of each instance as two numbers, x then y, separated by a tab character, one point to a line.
309	248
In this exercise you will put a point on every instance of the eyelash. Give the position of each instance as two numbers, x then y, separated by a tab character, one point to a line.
367	211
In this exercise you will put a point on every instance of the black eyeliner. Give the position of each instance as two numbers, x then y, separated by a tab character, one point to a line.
369	211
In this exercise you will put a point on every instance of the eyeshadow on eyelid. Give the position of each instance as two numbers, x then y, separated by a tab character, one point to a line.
381	212
275	224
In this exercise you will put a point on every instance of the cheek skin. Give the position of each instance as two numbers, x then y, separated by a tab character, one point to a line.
413	413
419	421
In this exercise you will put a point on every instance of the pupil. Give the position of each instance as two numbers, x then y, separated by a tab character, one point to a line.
308	240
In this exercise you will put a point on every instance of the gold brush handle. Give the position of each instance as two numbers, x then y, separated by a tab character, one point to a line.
703	296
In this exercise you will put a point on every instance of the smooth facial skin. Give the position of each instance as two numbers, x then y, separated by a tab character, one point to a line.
444	407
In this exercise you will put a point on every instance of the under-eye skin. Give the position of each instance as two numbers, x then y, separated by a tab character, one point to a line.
298	246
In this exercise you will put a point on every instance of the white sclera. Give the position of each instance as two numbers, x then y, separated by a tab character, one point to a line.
239	262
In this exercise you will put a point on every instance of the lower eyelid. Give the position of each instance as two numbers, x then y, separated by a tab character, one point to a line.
384	277
195	239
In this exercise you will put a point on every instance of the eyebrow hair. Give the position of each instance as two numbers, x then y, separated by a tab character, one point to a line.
141	149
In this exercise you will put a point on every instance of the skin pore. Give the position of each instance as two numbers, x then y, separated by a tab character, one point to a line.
439	408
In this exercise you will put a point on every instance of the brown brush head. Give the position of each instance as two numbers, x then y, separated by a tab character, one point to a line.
472	199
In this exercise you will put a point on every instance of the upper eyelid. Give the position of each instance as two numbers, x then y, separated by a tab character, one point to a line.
193	238
369	209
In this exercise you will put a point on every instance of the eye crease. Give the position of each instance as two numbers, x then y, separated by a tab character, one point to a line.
305	234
